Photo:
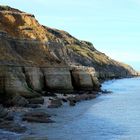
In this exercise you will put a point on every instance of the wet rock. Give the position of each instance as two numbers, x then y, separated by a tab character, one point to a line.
19	101
72	102
85	78
106	92
38	117
33	106
34	78
34	138
13	82
58	78
50	94
11	126
64	100
78	98
55	103
3	112
38	100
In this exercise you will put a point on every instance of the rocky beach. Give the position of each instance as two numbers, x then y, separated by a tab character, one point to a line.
41	69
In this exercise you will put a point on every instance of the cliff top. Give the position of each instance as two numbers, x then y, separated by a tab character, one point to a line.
8	8
24	40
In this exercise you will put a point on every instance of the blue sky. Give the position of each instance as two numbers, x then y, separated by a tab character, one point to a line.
113	26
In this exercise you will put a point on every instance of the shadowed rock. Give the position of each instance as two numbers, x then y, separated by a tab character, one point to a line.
55	103
38	117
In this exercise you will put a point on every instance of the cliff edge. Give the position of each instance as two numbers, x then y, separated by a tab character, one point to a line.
34	58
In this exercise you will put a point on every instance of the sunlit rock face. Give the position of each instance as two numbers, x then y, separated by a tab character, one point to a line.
13	82
84	78
37	58
34	78
58	78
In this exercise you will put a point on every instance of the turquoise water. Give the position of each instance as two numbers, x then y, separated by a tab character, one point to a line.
114	116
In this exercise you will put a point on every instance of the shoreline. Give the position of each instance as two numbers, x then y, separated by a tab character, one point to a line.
22	116
27	115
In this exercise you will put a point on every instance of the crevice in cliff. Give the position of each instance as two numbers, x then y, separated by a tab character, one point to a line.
27	78
73	82
3	95
44	88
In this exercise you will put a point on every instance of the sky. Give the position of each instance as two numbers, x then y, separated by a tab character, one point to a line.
113	26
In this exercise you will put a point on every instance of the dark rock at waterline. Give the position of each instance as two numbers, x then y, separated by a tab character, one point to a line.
38	100
34	138
72	102
55	103
37	114
18	101
78	98
4	114
49	94
7	123
34	106
64	100
11	126
64	94
106	92
38	117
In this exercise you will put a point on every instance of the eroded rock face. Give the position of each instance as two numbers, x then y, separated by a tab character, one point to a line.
24	41
21	82
38	117
55	103
34	78
3	112
13	82
84	78
18	101
57	78
11	126
41	58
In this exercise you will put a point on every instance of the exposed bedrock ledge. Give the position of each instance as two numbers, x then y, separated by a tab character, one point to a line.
34	78
84	78
58	78
28	81
12	83
104	75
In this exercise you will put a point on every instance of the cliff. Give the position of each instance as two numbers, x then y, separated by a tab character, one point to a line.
34	57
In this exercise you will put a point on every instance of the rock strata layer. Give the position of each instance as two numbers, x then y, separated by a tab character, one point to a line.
35	58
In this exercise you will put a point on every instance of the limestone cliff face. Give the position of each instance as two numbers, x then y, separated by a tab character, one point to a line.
39	58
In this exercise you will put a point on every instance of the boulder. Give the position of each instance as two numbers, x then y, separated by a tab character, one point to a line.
78	98
38	117
33	106
84	78
34	78
72	102
34	138
13	82
11	126
38	100
4	114
18	101
58	78
55	103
